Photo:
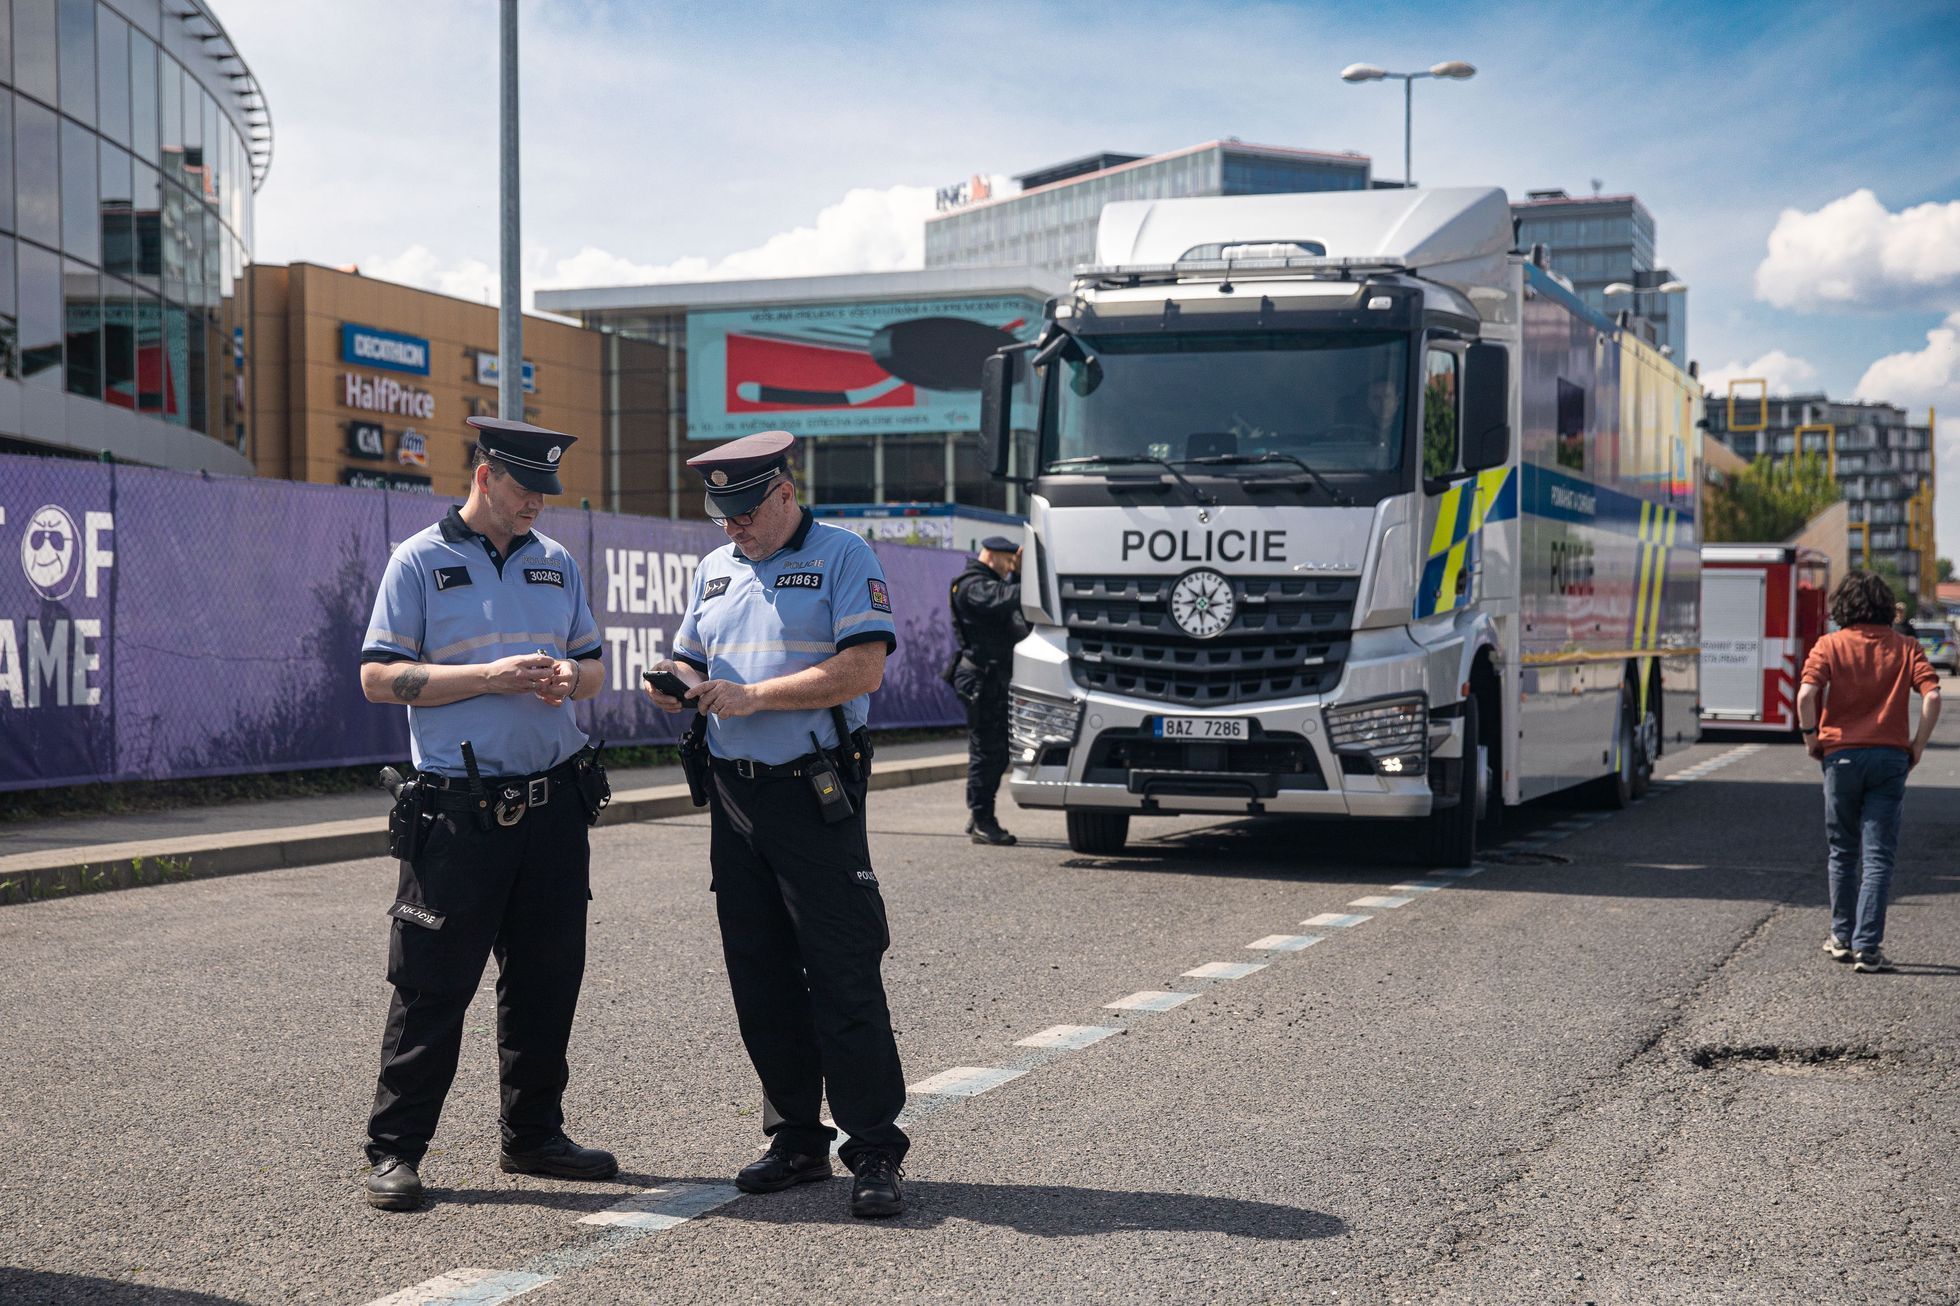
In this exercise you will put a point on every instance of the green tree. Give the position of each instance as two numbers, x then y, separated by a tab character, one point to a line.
1769	500
1888	571
1946	570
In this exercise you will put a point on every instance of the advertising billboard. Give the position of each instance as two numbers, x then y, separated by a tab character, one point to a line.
372	347
847	369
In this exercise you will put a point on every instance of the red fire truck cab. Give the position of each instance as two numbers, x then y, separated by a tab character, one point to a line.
1762	607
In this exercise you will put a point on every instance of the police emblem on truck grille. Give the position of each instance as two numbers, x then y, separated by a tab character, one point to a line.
1202	603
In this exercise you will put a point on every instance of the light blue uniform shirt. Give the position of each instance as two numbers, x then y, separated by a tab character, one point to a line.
444	600
750	621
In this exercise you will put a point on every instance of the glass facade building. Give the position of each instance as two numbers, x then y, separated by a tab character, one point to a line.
1051	223
134	136
1596	240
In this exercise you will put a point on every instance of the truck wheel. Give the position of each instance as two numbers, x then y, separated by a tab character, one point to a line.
1452	832
1634	768
1098	832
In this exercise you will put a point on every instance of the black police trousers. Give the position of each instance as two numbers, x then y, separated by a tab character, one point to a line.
803	931
985	696
519	891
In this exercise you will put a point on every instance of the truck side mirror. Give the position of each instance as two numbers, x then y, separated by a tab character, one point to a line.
1486	406
997	410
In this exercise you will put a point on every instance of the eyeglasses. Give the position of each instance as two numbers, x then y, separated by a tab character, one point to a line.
48	539
742	521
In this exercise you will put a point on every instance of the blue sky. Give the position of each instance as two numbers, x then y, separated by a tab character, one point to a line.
669	141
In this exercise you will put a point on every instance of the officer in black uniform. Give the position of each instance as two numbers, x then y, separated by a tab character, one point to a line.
785	637
987	617
482	629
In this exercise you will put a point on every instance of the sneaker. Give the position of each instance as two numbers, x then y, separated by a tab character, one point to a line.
877	1192
1872	961
1837	949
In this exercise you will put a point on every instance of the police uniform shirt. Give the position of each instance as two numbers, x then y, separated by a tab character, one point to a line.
446	600
751	621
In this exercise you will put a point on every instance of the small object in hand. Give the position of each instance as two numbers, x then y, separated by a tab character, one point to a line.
666	682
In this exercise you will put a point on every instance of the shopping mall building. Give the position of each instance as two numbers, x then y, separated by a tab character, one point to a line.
135	135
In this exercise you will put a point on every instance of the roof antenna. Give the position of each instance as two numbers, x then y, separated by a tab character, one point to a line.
1225	286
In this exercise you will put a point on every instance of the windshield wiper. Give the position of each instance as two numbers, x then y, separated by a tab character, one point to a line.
1248	459
1109	459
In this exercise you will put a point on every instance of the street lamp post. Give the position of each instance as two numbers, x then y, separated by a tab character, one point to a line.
1454	69
510	302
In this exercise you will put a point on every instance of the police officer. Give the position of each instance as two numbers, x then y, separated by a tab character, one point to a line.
987	616
785	637
482	629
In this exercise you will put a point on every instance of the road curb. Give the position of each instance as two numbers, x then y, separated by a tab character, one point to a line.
65	872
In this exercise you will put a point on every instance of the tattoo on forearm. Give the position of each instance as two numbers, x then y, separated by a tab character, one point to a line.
408	685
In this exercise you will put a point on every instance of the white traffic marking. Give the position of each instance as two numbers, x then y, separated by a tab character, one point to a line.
965	1081
1418	886
1381	900
1150	1000
1336	920
663	1208
1284	942
467	1287
1225	970
1068	1038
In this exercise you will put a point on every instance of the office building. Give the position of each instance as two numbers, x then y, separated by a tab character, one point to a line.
136	136
1596	240
1050	223
1882	460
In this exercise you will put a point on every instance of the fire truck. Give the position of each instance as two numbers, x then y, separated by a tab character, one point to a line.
1762	608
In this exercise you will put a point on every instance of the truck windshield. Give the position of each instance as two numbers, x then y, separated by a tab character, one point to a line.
1334	401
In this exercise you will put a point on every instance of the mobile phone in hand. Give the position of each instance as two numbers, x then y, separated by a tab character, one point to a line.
666	682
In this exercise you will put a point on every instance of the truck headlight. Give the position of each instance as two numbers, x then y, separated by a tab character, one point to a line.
1393	733
1034	722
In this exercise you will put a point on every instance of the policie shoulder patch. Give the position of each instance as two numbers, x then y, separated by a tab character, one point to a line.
800	580
544	576
448	578
881	597
714	587
416	914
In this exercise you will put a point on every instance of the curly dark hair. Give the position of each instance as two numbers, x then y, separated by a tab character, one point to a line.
1862	598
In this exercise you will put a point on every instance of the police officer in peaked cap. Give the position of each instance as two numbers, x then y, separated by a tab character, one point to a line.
482	630
785	637
986	602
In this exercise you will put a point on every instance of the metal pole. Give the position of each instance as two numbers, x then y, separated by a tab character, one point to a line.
510	306
1408	132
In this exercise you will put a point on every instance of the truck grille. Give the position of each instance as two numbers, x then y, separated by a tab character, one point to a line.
1290	637
1287	758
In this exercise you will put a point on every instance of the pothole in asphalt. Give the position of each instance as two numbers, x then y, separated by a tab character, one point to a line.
1774	1059
1501	858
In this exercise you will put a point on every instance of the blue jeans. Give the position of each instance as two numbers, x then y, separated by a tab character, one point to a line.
1864	789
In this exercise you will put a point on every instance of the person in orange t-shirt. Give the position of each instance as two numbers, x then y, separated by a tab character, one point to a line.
1854	713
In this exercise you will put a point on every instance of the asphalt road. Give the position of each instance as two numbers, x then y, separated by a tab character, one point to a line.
1614	1066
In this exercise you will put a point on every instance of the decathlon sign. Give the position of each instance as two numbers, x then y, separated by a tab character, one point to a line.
371	347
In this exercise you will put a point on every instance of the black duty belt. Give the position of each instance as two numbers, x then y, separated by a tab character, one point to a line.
752	770
509	796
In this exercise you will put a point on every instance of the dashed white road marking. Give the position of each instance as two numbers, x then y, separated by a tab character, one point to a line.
1418	886
1337	919
1150	1000
1068	1038
1225	970
663	1208
1284	942
466	1287
1382	900
965	1081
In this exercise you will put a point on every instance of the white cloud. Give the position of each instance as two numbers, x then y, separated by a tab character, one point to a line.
1784	373
1855	253
1916	381
866	231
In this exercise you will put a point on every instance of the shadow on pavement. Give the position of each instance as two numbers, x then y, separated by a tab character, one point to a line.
1051	1211
18	1285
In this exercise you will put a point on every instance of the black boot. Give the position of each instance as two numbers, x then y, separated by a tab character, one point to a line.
877	1193
985	829
393	1185
560	1158
782	1168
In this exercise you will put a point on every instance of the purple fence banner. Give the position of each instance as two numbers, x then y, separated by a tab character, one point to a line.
163	625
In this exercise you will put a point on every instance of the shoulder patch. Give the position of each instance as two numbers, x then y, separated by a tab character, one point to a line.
448	578
800	580
544	576
715	586
881	597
